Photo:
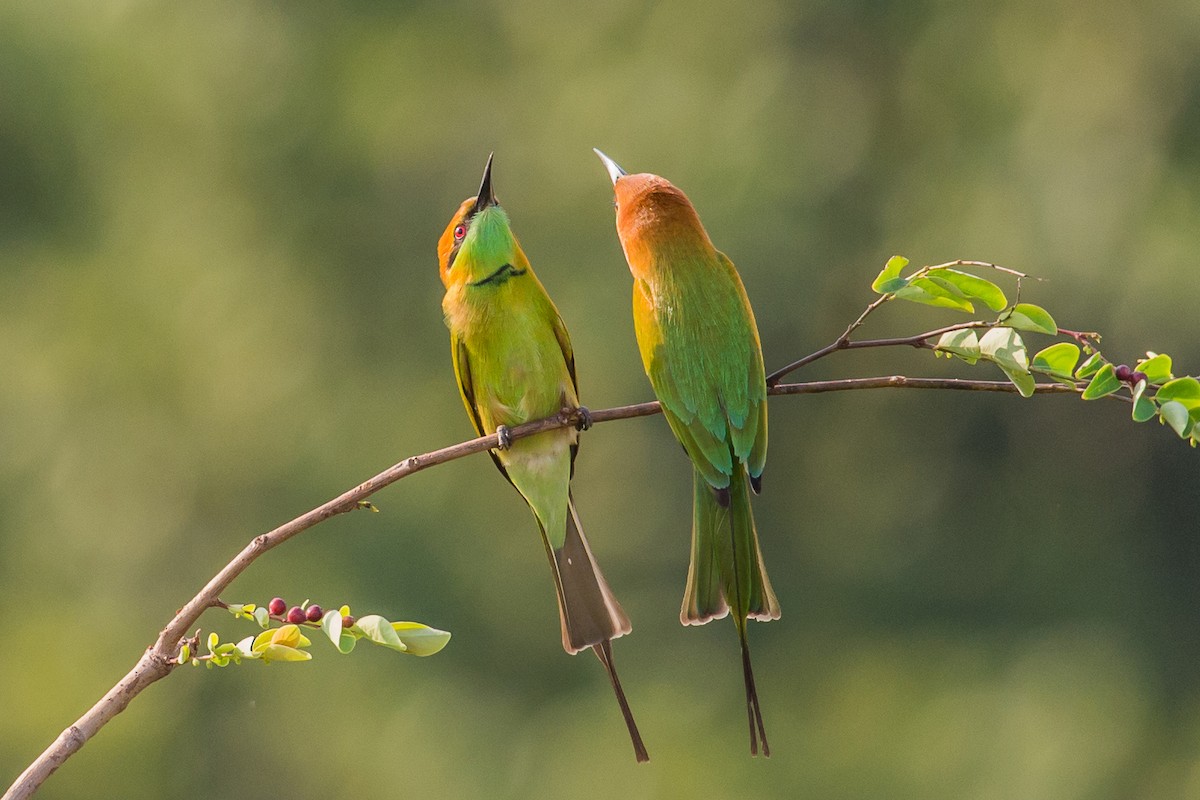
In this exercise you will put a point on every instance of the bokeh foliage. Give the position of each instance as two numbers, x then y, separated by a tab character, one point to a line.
219	307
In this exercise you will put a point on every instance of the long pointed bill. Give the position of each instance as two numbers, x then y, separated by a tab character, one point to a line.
485	197
614	169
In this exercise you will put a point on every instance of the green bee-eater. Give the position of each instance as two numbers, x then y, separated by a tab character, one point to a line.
513	361
700	347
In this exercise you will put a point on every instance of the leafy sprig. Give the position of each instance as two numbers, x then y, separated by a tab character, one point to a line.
283	638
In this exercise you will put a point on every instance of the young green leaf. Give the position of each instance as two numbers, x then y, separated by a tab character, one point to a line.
962	343
280	652
1103	383
380	631
1058	359
972	286
241	610
1143	407
1091	366
1022	380
925	291
1175	414
262	616
1156	366
1185	390
342	639
889	279
1028	317
1005	347
420	640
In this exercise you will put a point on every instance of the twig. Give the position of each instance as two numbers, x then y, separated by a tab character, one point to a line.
844	342
159	659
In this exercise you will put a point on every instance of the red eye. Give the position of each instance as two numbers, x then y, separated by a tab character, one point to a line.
459	232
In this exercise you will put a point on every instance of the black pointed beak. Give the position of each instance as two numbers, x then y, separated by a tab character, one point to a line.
614	169
485	197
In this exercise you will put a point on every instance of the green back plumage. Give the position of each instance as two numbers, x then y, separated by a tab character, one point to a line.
705	363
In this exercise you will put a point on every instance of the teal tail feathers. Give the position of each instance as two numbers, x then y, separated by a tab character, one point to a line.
727	573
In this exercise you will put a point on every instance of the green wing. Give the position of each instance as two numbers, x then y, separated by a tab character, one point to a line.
706	366
466	389
564	344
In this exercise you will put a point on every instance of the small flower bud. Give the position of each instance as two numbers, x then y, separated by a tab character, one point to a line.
315	613
296	615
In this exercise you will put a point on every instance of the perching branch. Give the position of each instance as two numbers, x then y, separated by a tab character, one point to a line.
159	659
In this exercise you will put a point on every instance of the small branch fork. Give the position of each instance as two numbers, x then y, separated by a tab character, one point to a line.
159	660
921	340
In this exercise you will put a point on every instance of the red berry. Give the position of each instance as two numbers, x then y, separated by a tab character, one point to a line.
277	607
296	615
1137	377
1123	372
348	621
315	613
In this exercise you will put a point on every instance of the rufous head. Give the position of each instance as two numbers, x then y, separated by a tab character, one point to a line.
652	213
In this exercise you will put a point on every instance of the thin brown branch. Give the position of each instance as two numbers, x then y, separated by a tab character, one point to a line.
844	342
159	659
902	382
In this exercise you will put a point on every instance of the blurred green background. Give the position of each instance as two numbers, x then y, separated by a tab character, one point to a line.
219	307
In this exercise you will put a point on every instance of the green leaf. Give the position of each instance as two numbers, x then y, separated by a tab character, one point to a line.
1143	407
342	639
962	343
262	640
1090	367
1184	390
421	640
926	292
280	652
241	610
185	653
1103	383
1028	317
1004	347
1175	414
262	616
1057	359
1157	367
380	631
1022	380
213	639
887	279
972	286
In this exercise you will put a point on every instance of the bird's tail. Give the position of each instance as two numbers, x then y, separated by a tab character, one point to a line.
727	573
590	615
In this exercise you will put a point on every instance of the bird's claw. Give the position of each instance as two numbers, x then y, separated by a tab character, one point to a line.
503	437
584	419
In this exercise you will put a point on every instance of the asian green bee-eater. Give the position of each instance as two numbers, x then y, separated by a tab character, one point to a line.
514	364
700	347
